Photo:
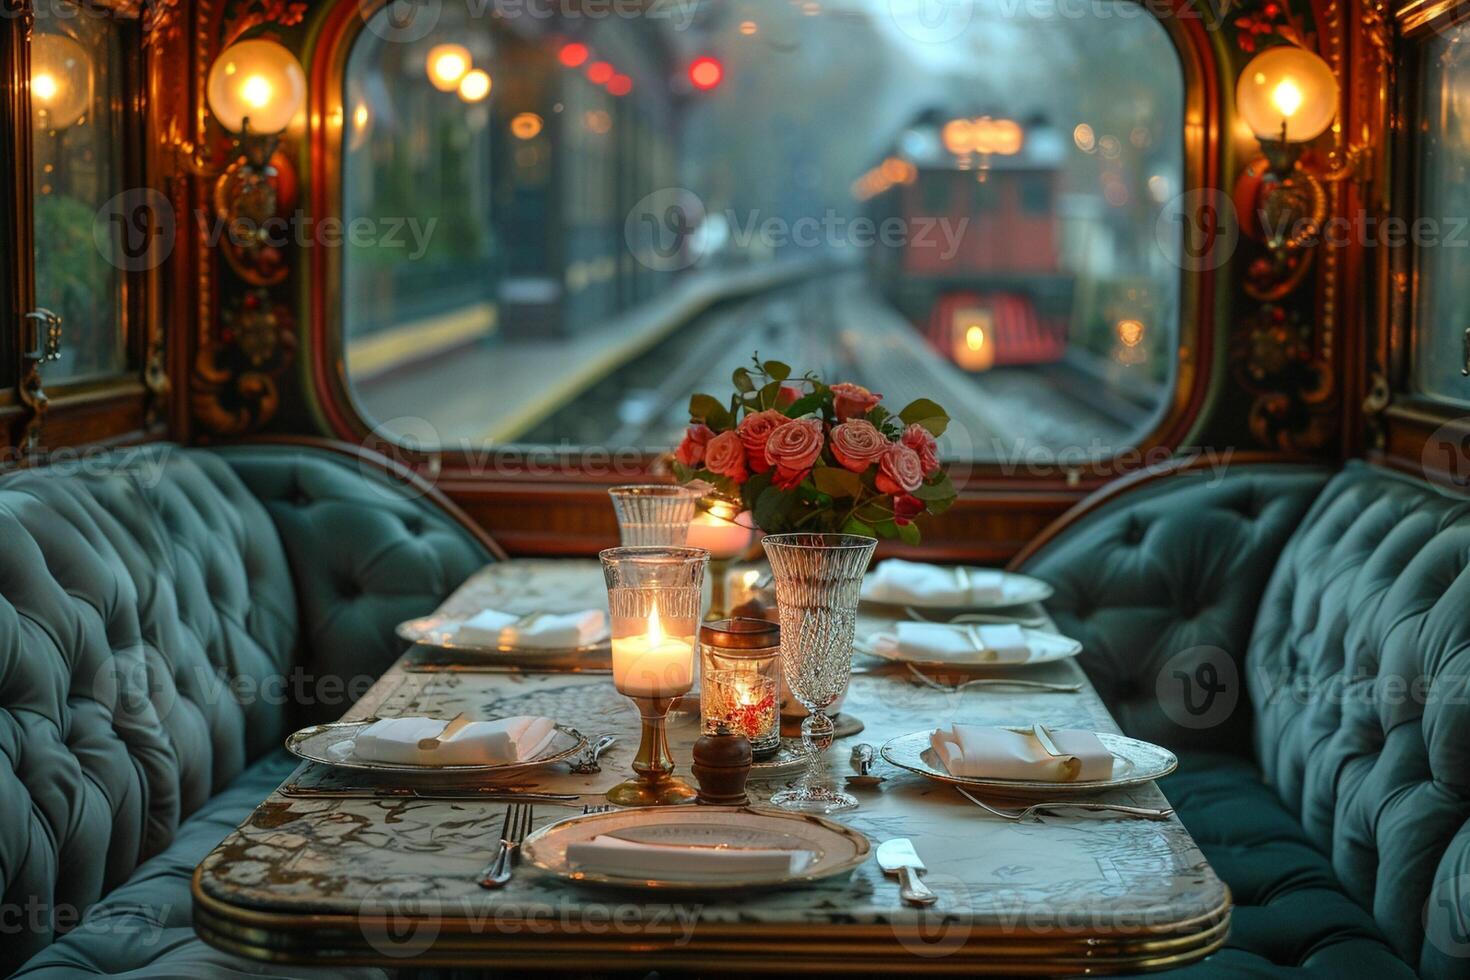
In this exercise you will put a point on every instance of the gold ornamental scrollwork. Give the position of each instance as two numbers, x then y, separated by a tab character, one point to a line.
235	389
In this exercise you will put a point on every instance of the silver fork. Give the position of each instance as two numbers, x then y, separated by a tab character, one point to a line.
1014	682
1147	813
517	825
597	808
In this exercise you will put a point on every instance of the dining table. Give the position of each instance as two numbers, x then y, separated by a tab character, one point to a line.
341	867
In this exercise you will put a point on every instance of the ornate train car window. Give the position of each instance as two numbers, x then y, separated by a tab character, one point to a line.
566	223
1441	342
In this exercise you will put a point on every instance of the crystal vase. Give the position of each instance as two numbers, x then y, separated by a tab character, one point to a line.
818	577
653	515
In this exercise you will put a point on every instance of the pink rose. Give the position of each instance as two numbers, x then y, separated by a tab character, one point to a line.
852	401
792	449
787	395
754	430
857	444
691	450
725	456
905	508
899	470
917	438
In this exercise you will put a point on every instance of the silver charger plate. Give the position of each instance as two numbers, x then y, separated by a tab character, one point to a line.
441	631
1135	762
836	849
332	744
1016	590
1045	648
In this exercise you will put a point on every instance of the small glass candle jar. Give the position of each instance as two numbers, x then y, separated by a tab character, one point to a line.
740	680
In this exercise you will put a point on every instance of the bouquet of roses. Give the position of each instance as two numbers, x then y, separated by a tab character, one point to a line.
802	455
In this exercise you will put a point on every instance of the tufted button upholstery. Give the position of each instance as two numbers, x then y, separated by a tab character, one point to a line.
1161	586
1346	837
152	614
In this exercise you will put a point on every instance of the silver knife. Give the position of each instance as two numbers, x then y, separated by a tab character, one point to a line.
897	857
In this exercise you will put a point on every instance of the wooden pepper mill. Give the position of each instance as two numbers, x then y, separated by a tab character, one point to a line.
722	765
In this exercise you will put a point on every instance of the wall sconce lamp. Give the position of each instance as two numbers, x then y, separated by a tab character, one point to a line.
1288	97
61	80
254	89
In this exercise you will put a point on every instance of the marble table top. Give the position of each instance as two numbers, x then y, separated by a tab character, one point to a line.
327	871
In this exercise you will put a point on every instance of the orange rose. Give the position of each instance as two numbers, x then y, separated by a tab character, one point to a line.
792	449
691	450
918	438
852	401
754	430
899	470
857	444
725	456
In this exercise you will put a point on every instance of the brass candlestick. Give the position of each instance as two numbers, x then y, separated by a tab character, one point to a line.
654	784
719	570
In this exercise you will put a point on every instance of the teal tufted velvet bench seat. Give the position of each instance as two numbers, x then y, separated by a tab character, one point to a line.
167	616
1303	641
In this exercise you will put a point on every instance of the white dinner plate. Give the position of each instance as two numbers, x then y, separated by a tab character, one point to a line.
835	848
443	632
1045	648
1134	763
1016	590
332	745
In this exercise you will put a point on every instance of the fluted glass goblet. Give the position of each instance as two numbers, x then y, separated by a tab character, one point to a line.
654	515
818	578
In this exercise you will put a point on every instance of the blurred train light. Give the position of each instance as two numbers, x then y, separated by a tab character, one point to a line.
748	27
526	126
958	136
1084	137
1002	137
474	86
1130	332
447	64
597	121
600	72
705	73
973	350
573	54
619	85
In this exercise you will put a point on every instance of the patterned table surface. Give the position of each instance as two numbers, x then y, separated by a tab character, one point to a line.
391	881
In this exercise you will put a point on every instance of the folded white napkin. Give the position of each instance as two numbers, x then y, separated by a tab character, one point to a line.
605	854
998	643
547	631
902	582
436	742
981	752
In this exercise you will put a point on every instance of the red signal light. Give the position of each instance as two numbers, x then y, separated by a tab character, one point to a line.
706	72
573	54
600	72
619	85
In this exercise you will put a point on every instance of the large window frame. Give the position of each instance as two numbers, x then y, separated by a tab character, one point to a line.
1416	432
114	407
550	508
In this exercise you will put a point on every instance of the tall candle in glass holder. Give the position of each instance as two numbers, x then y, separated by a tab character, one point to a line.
653	664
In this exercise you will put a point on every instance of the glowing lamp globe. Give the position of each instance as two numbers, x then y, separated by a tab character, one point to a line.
447	64
61	80
1287	90
256	86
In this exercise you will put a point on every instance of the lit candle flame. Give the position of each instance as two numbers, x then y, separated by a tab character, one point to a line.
655	629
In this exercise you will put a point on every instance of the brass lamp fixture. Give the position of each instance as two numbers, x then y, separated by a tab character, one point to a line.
1288	97
255	88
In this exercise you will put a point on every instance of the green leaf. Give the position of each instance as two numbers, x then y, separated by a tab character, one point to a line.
926	413
704	408
941	489
836	481
855	526
768	394
777	370
886	529
741	379
772	508
937	507
873	512
909	533
804	405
